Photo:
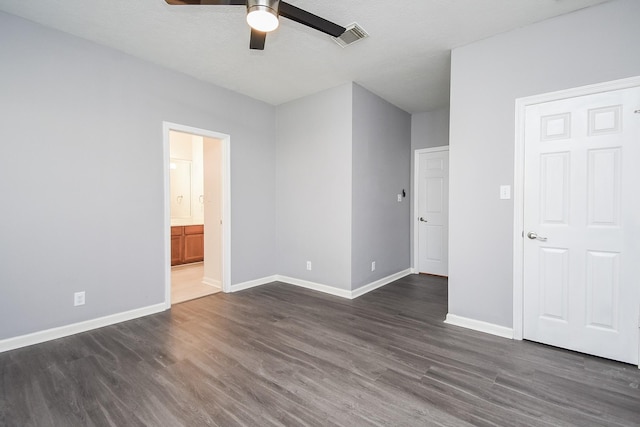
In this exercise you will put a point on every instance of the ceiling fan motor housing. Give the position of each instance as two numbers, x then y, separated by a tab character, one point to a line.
263	5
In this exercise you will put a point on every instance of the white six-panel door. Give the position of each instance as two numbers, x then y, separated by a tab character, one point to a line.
433	212
582	224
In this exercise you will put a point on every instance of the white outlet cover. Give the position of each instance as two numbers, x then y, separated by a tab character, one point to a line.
78	299
399	197
505	192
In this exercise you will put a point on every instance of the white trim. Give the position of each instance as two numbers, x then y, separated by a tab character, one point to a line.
76	328
518	192
379	283
414	198
212	282
518	223
226	214
253	283
331	290
316	286
226	202
480	326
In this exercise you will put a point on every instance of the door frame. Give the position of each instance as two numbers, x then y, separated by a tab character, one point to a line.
416	205
518	191
226	202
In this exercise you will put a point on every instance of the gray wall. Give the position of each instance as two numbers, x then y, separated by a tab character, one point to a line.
81	176
314	187
342	156
428	130
381	156
589	46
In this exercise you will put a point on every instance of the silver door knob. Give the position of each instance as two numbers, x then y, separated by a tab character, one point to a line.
534	236
423	220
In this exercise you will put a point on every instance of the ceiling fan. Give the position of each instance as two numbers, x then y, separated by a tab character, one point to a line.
262	17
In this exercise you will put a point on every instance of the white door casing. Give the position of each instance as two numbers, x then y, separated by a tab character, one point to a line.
432	210
581	275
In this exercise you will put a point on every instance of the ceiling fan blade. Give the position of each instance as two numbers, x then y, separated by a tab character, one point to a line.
257	40
207	2
310	20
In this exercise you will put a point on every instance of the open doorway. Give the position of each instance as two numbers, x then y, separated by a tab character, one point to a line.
197	196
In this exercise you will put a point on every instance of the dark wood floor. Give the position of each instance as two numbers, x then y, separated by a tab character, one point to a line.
281	355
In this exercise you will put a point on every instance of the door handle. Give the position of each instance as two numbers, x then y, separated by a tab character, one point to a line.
534	236
423	220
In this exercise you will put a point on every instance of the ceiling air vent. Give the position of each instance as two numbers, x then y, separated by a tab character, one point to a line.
353	34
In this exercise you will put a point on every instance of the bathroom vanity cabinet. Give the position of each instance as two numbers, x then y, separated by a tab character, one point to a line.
187	244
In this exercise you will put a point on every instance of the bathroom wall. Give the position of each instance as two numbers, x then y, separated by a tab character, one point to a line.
212	211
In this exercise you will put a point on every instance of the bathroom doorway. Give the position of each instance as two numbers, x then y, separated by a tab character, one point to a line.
197	196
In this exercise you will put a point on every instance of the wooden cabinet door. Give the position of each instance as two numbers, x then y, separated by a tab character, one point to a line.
177	249
193	247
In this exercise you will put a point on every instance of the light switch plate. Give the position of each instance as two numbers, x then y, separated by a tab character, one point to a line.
505	192
78	298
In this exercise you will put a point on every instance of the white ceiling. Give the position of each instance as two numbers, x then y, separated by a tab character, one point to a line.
405	60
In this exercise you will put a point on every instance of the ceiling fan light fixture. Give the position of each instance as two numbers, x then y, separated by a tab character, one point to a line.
262	15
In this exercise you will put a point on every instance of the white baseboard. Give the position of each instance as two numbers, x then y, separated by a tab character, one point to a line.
315	286
478	325
380	283
76	328
253	283
331	290
212	282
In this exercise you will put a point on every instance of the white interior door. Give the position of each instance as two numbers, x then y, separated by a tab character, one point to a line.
433	212
582	224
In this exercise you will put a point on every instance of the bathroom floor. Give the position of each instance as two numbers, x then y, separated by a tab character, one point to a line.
186	283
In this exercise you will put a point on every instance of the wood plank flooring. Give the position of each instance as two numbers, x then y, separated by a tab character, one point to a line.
281	355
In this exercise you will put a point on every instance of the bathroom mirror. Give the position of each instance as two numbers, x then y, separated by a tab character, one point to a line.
180	188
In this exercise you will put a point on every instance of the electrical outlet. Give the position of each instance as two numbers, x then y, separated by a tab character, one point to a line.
308	265
78	298
399	197
373	266
505	192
